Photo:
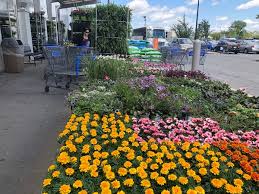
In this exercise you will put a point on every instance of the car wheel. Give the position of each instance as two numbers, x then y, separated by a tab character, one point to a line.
236	52
246	51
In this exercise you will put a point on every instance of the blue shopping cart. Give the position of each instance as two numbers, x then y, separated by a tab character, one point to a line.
64	65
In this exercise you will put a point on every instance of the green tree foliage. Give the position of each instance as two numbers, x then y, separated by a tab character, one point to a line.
204	29
237	29
257	17
183	29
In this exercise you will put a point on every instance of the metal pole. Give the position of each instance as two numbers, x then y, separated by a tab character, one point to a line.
145	19
196	43
96	23
197	18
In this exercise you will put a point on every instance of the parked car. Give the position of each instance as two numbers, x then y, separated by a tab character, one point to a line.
212	44
227	46
183	43
249	46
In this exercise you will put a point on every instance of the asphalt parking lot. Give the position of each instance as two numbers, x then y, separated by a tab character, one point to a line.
240	71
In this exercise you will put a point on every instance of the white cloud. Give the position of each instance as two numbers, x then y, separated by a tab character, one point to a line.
159	16
248	5
252	25
221	18
215	2
193	2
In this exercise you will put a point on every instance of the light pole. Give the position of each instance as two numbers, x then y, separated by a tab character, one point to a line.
145	20
196	43
197	19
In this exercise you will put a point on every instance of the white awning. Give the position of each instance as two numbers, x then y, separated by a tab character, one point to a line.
75	3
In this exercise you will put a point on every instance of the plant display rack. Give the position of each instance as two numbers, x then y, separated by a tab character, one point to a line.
8	23
38	21
51	30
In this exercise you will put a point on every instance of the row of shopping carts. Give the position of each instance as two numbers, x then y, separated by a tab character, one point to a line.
180	57
65	65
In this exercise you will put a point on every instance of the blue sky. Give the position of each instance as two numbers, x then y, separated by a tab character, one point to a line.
220	13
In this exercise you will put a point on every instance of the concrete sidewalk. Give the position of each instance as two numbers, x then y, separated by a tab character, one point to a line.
29	124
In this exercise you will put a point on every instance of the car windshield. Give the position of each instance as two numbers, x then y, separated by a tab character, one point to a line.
185	41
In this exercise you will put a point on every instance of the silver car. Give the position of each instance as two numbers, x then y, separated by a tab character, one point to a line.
249	46
183	43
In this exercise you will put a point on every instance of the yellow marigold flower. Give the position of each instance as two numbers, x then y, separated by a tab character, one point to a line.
217	183
122	171
142	174
154	147
132	171
197	178
129	182
115	153
203	171
143	165
154	175
94	174
154	166
110	175
120	192
223	158
145	183
165	192
199	158
161	180
224	181
93	141
65	189
69	171
215	164
183	180
116	184
238	182
247	177
106	191
214	171
191	173
239	171
130	156
176	190
194	150
72	148
73	159
188	155
51	167
96	162
77	184
214	159
127	164
164	171
94	124
105	185
56	174
63	158
107	168
230	188
191	191
149	191
114	141
199	190
46	182
177	154
196	144
83	192
172	177
139	158
230	164
98	147
79	140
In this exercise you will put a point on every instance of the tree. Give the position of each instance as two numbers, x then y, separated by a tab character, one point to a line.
204	29
237	29
183	29
257	17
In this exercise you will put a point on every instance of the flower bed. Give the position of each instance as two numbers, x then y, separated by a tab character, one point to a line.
196	129
103	155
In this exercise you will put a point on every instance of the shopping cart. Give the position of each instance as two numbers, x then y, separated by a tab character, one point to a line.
56	71
75	55
203	55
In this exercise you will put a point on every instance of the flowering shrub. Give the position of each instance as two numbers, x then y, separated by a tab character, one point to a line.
102	155
186	74
196	129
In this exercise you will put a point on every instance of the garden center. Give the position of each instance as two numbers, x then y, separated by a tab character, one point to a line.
143	126
141	122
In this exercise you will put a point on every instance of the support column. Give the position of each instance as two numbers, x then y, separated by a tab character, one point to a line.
1	54
24	26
